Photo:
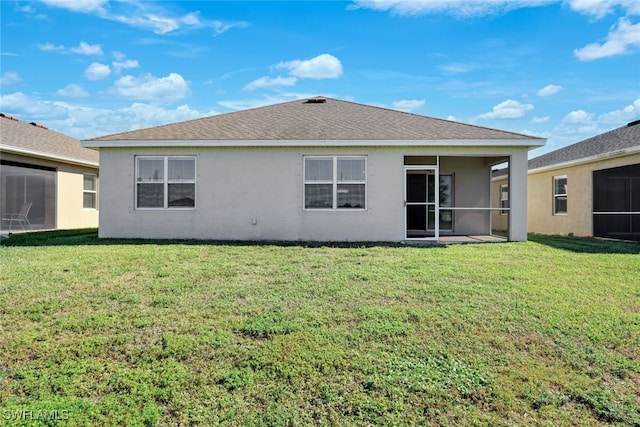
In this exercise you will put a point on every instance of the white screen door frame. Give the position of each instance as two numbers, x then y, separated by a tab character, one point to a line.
416	202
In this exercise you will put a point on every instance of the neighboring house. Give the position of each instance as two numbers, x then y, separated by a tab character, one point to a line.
50	174
589	189
318	169
500	197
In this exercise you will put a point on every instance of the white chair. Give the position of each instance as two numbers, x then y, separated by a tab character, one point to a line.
20	217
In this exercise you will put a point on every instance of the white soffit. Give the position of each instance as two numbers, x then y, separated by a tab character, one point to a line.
317	143
46	156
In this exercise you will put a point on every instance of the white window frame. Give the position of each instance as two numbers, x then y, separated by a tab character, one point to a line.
558	195
166	181
334	182
94	192
504	191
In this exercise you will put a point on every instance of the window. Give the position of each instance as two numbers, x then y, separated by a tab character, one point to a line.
90	191
504	200
335	182
165	182
559	195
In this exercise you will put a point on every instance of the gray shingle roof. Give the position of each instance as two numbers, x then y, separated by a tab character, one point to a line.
23	136
316	119
609	142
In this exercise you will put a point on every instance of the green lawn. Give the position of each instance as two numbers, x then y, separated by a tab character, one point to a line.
100	332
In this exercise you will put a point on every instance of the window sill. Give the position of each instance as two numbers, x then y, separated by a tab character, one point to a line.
165	209
334	210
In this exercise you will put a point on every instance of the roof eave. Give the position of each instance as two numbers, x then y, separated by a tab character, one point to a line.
524	142
590	159
48	156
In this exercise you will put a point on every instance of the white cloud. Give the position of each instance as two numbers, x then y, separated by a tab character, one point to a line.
549	90
323	66
600	8
97	71
85	48
147	15
191	19
579	125
619	117
9	78
149	88
621	39
578	117
463	8
475	8
540	119
118	66
508	109
50	47
72	91
266	82
85	122
458	67
78	5
157	24
31	108
155	18
220	27
408	104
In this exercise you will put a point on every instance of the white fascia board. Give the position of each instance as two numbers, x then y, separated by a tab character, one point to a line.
47	156
531	143
590	159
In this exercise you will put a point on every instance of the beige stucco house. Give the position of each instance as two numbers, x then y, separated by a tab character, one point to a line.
46	174
588	189
317	169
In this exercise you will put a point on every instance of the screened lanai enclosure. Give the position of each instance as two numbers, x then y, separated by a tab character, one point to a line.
448	198
23	184
616	203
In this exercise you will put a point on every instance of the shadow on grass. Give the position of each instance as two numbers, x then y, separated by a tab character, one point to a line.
587	245
90	237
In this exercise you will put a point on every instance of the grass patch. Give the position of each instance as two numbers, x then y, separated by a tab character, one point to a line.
142	332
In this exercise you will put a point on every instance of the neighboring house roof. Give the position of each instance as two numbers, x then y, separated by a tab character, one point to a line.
500	173
36	140
621	141
314	119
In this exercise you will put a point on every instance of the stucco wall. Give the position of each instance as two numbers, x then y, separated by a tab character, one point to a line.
234	186
578	219
71	213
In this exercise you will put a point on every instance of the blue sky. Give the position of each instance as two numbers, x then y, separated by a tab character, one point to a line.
562	70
